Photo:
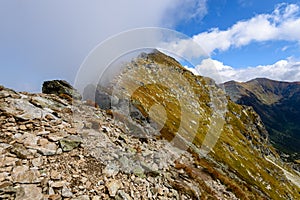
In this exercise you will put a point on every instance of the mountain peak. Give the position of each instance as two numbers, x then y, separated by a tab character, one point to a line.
278	103
267	80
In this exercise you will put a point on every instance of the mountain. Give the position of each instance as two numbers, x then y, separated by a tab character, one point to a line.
191	111
278	104
167	134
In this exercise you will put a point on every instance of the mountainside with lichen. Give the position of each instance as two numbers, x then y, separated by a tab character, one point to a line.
156	132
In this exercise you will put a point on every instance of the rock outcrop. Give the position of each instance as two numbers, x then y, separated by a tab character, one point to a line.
98	95
60	87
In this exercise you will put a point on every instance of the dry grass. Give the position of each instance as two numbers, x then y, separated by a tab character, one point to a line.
240	132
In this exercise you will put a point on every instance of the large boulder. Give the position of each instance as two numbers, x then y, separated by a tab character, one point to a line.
60	87
99	95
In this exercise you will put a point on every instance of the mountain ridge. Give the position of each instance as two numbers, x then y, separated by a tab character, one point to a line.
242	125
55	146
277	102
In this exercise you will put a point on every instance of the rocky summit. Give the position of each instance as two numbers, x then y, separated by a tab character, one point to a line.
150	142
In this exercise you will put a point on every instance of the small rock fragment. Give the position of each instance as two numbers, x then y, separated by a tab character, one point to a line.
55	175
37	162
113	187
22	127
69	143
111	170
22	174
66	192
58	184
29	192
82	197
123	196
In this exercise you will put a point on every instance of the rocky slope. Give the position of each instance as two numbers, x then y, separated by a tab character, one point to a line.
56	147
278	105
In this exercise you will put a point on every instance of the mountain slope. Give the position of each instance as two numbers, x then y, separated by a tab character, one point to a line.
166	134
186	107
278	104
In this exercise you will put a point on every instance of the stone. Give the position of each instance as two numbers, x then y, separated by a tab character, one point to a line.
82	197
160	191
53	197
37	162
6	161
51	191
113	187
4	147
43	142
111	170
138	171
29	192
49	117
3	176
54	137
29	111
48	149
29	126
123	195
98	95
5	184
88	184
55	175
43	133
96	197
22	174
30	140
60	87
22	127
69	143
58	184
6	169
66	192
71	130
59	151
21	152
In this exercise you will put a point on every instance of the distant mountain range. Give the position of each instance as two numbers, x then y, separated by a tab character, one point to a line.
278	104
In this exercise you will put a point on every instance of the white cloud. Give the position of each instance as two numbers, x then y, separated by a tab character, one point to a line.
281	24
49	39
245	3
283	70
182	11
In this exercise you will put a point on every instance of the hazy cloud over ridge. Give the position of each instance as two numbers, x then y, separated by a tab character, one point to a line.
49	39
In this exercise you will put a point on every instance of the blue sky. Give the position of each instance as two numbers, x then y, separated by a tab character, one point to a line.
42	40
223	14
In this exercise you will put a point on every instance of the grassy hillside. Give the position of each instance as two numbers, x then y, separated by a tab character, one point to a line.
192	107
278	104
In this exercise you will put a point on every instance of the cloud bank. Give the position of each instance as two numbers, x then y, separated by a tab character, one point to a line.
283	70
279	25
49	39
